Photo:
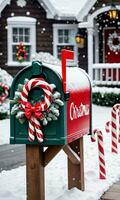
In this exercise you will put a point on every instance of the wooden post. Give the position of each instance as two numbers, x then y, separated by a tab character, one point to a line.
37	159
35	172
76	171
82	164
50	153
75	159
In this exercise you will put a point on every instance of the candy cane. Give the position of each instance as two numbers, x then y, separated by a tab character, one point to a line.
31	129
115	108
37	82
5	87
102	169
119	127
108	130
108	126
34	112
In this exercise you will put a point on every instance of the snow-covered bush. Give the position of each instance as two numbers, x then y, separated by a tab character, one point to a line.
4	106
46	57
5	77
105	96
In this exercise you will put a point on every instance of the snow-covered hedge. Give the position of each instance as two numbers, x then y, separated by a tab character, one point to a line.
46	57
5	77
7	80
105	96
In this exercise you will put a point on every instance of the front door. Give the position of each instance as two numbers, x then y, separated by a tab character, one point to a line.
111	45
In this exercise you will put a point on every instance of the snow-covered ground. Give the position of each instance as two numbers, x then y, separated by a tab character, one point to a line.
4	131
13	183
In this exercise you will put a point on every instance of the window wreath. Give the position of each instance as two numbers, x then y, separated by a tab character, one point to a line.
21	52
114	42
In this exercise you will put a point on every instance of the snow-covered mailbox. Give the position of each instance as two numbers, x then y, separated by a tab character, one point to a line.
47	107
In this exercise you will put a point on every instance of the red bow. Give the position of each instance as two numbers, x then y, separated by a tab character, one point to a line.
33	110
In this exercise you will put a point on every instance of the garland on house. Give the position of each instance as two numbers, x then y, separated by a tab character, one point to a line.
21	52
114	42
36	113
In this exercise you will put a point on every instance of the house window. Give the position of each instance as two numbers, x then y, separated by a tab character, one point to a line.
21	35
64	38
21	30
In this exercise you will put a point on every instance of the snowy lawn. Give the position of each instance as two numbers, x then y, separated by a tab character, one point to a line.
4	131
13	183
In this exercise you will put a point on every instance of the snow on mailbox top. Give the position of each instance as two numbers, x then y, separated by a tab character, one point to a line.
76	77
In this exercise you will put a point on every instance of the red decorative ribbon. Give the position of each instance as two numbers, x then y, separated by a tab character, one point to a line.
34	111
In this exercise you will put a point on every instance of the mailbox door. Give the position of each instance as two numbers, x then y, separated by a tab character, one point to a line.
55	131
79	113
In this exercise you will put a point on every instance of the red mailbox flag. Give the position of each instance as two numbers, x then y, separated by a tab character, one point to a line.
65	55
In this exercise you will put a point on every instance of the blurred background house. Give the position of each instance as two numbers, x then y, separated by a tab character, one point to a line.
89	28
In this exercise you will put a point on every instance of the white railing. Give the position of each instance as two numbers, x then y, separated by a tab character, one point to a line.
106	73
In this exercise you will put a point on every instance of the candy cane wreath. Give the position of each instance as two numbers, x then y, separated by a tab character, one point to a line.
43	111
4	94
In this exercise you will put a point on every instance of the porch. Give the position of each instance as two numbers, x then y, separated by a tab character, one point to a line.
106	74
103	46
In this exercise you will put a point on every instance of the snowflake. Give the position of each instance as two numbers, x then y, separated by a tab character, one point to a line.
21	3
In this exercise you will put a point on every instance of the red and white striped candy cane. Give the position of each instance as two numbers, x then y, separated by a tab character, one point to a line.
34	124
119	127
102	169
108	130
5	88
115	110
108	127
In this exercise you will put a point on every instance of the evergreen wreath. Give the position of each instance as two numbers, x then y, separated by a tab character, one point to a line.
3	92
21	52
114	42
36	113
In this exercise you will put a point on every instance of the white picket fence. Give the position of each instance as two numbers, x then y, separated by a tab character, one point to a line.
106	73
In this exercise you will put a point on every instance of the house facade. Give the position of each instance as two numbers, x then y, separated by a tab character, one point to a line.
31	26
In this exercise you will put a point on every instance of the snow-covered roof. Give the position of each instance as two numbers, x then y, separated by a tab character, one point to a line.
69	9
85	9
62	9
3	3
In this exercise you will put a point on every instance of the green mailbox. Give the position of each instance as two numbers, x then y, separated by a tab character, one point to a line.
54	131
41	109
